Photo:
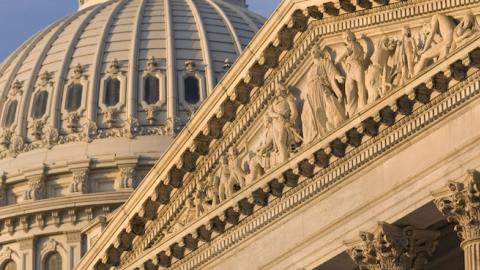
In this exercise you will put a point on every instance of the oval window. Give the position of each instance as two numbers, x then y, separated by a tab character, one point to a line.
11	112
151	91
112	92
39	105
74	97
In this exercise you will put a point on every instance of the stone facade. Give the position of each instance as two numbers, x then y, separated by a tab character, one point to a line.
330	146
90	103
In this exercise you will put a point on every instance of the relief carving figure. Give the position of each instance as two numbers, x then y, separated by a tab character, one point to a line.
466	29
405	57
237	175
212	190
379	75
283	112
353	58
260	158
323	109
223	176
441	34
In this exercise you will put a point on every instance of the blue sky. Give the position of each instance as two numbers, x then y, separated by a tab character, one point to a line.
19	19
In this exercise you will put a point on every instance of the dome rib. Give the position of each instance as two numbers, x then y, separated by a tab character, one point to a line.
133	63
24	56
67	62
248	20
231	29
29	89
98	61
171	64
207	59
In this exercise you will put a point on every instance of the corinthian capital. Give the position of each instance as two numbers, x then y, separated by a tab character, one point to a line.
391	247
459	202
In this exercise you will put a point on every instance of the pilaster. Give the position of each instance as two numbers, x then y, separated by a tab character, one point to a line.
459	202
26	246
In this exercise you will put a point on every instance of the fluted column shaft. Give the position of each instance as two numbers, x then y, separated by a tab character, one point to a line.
471	250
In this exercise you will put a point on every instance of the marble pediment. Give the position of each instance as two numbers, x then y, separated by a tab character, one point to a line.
320	83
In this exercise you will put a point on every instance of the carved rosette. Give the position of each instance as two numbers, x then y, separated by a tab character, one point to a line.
460	203
393	248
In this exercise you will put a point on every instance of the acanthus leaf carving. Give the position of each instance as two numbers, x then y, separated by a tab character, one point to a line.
459	203
394	248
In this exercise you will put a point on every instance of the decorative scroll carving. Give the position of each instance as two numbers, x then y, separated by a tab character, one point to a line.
460	203
5	255
35	188
79	181
126	177
393	248
322	109
353	58
50	136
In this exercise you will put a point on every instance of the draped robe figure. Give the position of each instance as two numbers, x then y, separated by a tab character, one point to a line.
355	90
322	109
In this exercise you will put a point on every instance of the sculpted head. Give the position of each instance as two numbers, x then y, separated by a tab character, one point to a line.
349	36
407	32
233	151
281	90
319	53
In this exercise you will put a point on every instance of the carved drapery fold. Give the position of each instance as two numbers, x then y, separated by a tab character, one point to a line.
459	202
391	247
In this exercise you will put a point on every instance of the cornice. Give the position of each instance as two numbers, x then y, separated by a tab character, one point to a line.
59	203
208	134
308	188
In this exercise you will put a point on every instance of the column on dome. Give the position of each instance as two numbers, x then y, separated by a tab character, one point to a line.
391	247
459	202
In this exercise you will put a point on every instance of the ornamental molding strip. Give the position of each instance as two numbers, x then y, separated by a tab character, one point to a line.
144	225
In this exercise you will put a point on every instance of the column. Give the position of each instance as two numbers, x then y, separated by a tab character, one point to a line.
459	202
390	247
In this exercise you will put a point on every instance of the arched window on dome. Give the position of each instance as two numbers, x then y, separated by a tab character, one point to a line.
10	114
39	107
112	92
151	89
9	265
74	97
192	90
53	261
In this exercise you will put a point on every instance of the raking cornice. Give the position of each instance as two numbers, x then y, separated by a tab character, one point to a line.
203	134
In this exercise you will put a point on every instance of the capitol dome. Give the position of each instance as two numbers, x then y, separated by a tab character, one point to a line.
89	103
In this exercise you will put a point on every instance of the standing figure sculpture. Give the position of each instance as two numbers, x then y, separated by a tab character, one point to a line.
237	175
405	56
466	29
283	112
441	32
354	57
260	158
223	179
322	109
379	76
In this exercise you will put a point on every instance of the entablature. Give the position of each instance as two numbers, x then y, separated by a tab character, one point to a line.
224	119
